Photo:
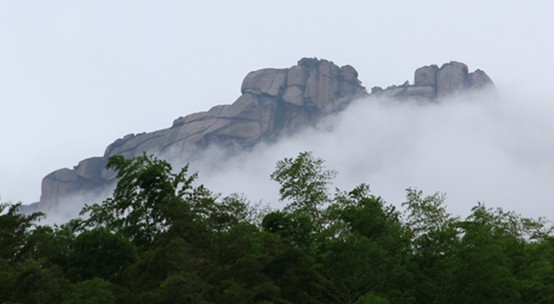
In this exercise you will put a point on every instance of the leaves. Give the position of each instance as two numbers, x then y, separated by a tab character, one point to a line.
15	231
304	180
138	208
161	239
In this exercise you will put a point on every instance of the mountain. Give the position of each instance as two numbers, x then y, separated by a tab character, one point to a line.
274	103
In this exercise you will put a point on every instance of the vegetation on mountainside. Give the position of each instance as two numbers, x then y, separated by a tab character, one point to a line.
160	239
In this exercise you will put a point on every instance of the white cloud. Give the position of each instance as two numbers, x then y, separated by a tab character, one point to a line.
477	147
474	147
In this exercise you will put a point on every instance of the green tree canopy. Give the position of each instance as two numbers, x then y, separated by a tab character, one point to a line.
148	199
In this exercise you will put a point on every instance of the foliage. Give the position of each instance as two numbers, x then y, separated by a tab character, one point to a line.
304	181
146	200
100	253
160	239
15	229
94	291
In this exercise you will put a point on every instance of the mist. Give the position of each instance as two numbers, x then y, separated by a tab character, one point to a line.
76	75
478	147
489	147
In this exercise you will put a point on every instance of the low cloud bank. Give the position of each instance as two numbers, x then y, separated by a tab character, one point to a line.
70	207
475	148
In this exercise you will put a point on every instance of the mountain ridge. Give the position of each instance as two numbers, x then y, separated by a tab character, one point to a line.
274	103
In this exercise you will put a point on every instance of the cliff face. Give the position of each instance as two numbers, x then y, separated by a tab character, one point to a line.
432	82
274	102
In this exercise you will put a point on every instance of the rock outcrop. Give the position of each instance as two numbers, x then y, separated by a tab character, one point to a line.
274	102
432	82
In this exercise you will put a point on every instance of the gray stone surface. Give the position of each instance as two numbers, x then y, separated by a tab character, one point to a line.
479	79
297	76
451	78
274	102
426	76
266	81
294	95
432	83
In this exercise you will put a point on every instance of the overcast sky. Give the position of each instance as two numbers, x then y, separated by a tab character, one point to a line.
76	75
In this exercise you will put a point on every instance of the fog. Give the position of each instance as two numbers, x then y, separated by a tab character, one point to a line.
76	75
475	148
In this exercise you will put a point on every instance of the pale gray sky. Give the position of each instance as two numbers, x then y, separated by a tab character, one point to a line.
76	75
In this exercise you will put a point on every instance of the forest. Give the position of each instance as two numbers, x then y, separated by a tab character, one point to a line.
160	238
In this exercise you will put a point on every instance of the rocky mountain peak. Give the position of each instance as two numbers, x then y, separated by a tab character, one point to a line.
311	82
273	102
432	82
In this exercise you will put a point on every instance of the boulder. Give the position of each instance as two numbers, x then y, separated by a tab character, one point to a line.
426	76
90	168
266	81
479	79
451	78
348	73
432	83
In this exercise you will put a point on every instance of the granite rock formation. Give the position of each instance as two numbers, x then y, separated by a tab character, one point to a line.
274	102
432	82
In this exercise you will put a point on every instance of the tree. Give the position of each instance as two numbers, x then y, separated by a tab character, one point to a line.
161	240
365	251
536	272
434	239
148	199
371	298
94	291
169	263
38	282
304	183
15	229
101	253
482	268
